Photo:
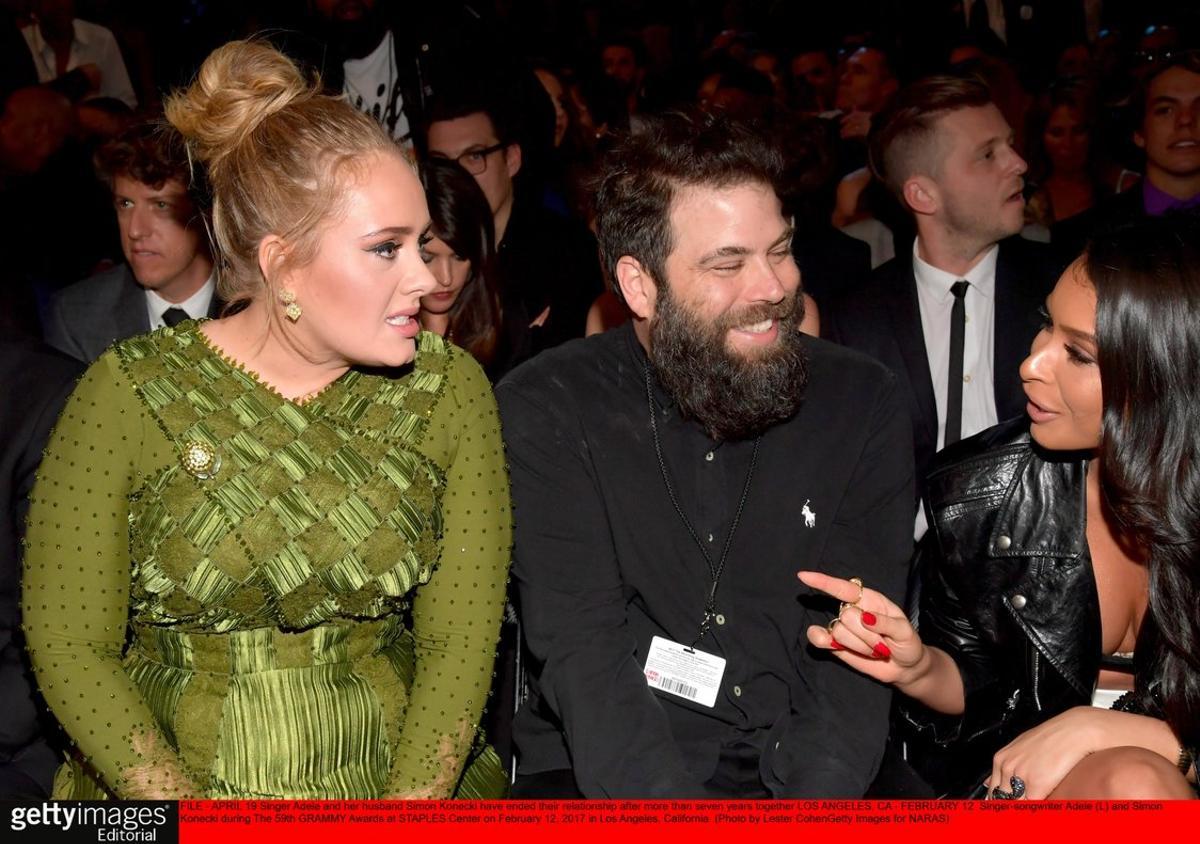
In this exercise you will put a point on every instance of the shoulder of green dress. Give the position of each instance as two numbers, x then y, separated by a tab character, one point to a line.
433	352
182	339
433	365
182	381
395	403
463	374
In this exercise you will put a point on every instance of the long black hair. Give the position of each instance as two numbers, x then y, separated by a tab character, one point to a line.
463	220
1147	280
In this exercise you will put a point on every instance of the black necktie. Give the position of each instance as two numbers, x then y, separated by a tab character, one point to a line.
174	316
958	330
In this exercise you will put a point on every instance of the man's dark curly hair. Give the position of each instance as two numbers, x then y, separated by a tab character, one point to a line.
641	174
152	153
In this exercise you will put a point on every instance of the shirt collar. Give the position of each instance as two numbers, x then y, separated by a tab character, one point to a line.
196	305
937	282
79	35
1157	201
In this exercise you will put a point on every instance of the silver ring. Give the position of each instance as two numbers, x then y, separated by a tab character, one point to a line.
1018	790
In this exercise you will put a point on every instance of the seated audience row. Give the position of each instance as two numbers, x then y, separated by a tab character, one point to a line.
292	522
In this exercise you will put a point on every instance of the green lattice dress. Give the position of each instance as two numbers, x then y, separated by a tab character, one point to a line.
228	594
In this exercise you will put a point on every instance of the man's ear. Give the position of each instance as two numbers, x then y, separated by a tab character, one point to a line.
921	194
512	160
637	287
1139	139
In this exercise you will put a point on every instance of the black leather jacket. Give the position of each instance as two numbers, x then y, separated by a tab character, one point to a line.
1007	590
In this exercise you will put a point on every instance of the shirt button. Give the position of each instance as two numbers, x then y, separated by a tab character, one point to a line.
710	537
709	457
966	379
1003	543
1018	602
737	691
720	619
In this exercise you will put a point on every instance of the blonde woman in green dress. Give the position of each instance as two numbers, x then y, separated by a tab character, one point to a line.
267	553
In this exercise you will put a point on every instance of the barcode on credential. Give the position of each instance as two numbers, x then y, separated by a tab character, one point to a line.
676	687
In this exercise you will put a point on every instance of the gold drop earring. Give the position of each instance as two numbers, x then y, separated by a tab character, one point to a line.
291	309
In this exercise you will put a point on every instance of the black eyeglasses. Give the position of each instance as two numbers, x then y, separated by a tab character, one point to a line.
474	161
1189	58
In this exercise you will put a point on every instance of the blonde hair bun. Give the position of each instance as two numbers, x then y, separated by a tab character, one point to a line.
238	86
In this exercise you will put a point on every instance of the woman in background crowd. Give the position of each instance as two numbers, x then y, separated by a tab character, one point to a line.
464	306
1062	172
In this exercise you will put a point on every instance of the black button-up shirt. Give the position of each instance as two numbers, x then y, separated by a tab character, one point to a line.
604	563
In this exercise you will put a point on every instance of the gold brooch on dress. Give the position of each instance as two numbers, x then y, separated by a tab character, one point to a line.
200	460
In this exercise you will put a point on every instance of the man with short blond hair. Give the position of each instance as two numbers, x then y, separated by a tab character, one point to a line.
955	316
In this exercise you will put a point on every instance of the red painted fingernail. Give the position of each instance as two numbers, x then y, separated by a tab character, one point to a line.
882	651
835	644
868	617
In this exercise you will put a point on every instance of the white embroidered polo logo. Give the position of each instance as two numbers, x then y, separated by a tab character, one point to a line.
810	518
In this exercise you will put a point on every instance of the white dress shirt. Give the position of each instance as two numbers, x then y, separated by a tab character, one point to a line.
196	305
936	302
92	44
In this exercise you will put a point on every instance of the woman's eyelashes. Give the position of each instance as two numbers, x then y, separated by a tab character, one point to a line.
386	250
1077	355
1074	353
1046	323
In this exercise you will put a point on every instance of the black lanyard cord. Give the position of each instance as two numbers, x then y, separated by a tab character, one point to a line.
710	607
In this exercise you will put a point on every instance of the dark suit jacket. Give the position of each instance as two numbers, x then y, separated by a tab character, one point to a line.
89	316
882	318
831	262
42	379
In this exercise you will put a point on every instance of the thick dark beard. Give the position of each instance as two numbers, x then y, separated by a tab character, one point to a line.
732	396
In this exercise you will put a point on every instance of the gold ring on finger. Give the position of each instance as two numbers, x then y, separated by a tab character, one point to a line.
835	620
857	581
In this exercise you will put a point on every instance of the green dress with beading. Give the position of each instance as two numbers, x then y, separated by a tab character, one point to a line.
228	594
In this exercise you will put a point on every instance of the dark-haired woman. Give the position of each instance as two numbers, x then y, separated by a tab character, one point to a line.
1062	164
465	306
1064	566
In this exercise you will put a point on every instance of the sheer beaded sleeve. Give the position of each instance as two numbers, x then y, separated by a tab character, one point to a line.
456	615
77	586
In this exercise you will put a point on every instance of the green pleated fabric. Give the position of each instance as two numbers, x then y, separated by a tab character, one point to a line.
290	593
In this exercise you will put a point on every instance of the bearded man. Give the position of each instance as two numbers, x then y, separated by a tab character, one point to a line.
670	477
